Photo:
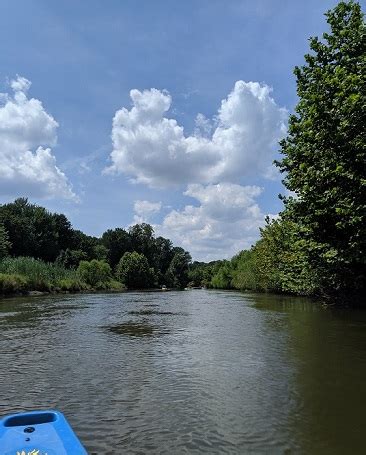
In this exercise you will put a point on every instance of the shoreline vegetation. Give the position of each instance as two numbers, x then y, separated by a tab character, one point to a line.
29	276
315	247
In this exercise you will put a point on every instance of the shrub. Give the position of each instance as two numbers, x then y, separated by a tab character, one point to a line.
11	283
95	273
71	284
115	285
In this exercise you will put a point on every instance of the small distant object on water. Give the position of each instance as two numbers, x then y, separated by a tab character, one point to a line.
164	288
38	433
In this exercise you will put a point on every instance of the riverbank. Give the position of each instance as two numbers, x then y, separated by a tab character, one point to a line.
9	288
29	276
121	288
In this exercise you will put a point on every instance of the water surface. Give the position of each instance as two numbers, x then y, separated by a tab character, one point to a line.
189	372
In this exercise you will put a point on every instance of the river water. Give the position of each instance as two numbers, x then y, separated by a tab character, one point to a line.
193	372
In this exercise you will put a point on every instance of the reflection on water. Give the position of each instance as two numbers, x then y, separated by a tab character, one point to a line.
232	373
133	329
153	312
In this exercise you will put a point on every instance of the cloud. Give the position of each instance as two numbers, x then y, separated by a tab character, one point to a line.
144	210
226	221
240	141
26	126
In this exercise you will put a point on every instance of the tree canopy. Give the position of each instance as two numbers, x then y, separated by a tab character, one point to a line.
133	270
324	153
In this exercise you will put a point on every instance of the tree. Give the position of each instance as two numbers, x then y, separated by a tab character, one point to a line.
35	232
100	252
70	259
245	273
4	242
163	254
280	259
177	273
117	241
196	273
133	270
325	153
142	240
17	221
83	242
222	279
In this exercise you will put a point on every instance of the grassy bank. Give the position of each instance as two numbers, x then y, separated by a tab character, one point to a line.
22	275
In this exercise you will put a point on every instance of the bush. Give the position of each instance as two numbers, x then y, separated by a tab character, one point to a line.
115	285
71	284
95	273
11	283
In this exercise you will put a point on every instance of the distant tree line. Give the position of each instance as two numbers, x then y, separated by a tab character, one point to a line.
135	257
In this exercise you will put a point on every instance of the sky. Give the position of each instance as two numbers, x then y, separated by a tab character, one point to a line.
165	112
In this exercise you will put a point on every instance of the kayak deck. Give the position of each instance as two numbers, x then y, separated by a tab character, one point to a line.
38	433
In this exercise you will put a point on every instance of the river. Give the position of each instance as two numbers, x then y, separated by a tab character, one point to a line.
193	372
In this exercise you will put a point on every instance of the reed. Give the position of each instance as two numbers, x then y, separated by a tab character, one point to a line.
39	275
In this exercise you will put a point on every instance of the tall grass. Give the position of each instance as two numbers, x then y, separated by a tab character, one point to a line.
40	275
21	274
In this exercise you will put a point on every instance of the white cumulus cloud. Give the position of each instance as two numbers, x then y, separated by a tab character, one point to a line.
239	141
225	221
144	210
27	165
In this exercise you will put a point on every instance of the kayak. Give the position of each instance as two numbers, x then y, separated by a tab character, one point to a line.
38	433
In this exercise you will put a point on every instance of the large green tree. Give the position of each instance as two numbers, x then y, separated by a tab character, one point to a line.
143	240
117	241
133	271
177	273
325	153
34	231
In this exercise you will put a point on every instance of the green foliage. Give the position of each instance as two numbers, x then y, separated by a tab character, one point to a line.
143	241
245	273
4	242
115	285
278	262
117	242
95	273
325	154
222	278
30	231
40	275
177	273
100	252
196	273
12	283
70	259
84	243
163	254
281	262
33	231
134	272
201	273
73	284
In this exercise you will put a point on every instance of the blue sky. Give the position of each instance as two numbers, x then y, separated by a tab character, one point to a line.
204	182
